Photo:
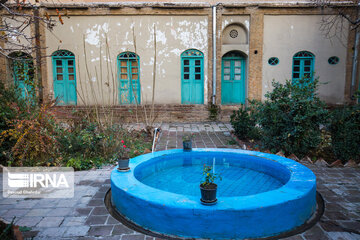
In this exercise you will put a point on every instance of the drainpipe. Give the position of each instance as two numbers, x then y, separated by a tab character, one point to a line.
355	61
214	54
38	54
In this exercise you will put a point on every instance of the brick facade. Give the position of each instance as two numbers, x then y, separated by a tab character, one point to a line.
174	112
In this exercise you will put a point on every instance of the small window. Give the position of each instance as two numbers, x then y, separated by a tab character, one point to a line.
273	61
233	33
333	60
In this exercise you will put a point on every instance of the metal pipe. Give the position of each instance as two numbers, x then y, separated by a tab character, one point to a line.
153	145
214	54
355	62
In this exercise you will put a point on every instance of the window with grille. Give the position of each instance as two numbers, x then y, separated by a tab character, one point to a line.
64	74
129	78
303	66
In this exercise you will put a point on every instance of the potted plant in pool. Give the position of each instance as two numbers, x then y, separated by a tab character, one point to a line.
208	187
122	157
187	142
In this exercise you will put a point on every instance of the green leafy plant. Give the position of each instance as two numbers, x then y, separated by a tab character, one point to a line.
187	137
34	138
244	124
290	118
345	132
214	111
208	176
80	163
123	151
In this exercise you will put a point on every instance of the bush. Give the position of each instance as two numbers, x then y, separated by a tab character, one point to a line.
290	118
345	132
85	139
12	106
34	139
87	144
244	123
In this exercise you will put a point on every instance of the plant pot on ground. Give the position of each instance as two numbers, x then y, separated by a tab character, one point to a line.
187	142
123	157
208	187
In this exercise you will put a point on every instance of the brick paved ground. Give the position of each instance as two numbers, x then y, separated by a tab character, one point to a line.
85	216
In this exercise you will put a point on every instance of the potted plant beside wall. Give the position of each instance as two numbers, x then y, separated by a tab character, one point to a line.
187	142
122	157
208	187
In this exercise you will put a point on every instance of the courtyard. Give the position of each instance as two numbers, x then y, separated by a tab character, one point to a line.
86	217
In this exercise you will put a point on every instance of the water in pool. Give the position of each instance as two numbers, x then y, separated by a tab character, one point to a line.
184	174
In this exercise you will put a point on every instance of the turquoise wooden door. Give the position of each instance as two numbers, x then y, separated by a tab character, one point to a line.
303	67
23	73
129	78
64	77
233	78
192	77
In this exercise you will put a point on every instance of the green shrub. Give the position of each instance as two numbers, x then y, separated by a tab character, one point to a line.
34	139
87	144
12	106
290	118
244	123
345	132
85	139
80	163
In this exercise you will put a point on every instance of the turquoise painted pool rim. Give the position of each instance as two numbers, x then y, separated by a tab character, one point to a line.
253	216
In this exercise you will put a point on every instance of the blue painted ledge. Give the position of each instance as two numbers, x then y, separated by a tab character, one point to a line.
253	216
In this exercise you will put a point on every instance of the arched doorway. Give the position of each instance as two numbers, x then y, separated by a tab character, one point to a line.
22	68
64	77
129	78
233	75
192	77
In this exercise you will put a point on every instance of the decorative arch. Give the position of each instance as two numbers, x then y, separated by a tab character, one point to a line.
129	78
64	75
22	71
303	66
192	77
235	33
192	53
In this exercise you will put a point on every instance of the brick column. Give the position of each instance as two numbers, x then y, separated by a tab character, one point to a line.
255	54
43	58
3	73
219	12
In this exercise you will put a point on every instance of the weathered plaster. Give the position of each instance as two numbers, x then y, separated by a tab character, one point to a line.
174	34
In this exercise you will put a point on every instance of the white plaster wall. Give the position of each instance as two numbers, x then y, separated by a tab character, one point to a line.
175	34
227	20
288	34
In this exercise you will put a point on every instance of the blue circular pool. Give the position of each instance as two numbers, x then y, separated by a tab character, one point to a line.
259	195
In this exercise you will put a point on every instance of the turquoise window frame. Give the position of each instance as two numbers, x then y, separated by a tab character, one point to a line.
133	97
273	61
188	97
64	92
303	66
333	60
